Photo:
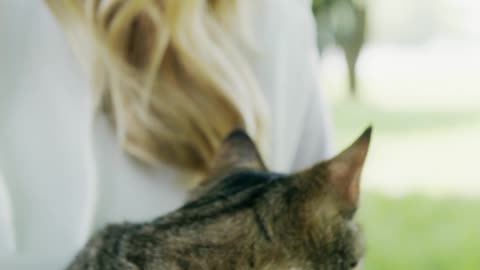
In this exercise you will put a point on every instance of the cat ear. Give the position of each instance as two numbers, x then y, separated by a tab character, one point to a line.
238	151
344	170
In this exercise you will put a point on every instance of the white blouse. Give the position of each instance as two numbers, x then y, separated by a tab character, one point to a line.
62	175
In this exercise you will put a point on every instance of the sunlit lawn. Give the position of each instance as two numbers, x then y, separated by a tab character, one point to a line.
432	154
416	232
435	231
426	141
439	228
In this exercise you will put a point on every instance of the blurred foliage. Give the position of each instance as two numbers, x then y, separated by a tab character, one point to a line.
421	233
344	23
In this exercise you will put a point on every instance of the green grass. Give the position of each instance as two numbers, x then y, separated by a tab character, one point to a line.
416	232
426	141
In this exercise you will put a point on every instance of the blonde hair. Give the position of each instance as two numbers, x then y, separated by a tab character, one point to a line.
174	76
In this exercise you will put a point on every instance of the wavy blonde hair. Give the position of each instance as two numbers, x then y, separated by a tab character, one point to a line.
174	76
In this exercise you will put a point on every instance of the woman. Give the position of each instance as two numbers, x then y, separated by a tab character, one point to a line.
170	79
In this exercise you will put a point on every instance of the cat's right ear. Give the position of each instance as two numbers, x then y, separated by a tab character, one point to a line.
344	170
238	151
339	177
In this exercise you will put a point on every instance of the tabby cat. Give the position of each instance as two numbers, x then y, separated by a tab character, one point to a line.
245	217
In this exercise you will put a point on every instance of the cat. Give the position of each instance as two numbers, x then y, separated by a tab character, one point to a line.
246	217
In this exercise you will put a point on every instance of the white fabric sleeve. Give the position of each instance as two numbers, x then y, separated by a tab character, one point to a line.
316	142
287	70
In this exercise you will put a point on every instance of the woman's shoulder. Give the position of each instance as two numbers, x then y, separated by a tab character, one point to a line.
286	11
285	31
127	189
287	71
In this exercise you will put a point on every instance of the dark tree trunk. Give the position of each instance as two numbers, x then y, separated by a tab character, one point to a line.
353	44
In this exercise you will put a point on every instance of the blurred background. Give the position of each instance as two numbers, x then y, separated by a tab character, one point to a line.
417	80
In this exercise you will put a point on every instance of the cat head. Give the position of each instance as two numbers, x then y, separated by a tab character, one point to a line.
325	200
309	213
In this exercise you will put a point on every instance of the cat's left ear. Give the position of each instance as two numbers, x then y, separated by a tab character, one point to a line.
238	151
